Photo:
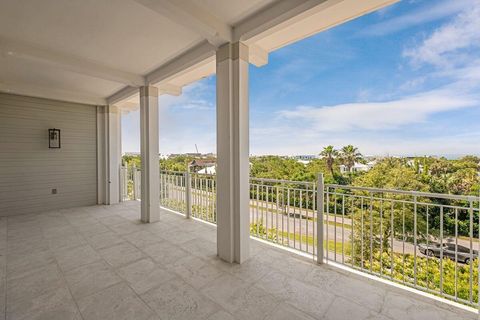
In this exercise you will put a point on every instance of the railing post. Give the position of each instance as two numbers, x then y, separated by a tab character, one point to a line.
134	179
188	194
320	208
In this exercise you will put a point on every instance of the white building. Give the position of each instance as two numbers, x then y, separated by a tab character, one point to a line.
208	170
358	167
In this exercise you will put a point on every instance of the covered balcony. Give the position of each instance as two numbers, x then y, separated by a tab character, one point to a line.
84	238
101	262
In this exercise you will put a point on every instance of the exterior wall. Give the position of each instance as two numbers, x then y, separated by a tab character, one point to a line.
29	170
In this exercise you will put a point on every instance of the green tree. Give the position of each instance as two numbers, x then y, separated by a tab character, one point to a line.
349	155
329	154
373	217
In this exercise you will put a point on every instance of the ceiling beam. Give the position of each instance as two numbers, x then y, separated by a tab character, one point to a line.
194	17
49	93
183	62
257	55
19	50
159	77
304	16
271	17
122	95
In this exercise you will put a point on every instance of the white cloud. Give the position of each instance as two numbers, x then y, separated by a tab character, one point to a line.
185	120
381	115
449	45
439	10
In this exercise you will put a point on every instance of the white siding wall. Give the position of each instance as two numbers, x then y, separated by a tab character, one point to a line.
29	170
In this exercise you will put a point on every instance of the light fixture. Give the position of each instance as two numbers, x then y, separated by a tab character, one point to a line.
54	138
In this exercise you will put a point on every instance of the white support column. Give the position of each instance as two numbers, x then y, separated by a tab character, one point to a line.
233	229
150	182
114	154
101	155
109	154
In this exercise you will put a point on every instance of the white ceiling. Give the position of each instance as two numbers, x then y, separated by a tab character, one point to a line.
94	51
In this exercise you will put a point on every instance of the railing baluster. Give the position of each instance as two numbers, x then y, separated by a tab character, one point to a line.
371	232
335	227
441	250
470	233
403	240
415	240
392	236
343	228
456	254
320	207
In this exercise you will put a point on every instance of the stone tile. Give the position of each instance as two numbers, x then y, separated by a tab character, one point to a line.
399	306
72	258
28	263
227	290
201	248
165	253
293	267
62	231
126	228
118	302
341	309
52	305
143	238
176	300
254	304
3	306
143	275
41	281
305	297
121	254
177	236
90	278
22	247
357	290
250	271
195	271
221	315
287	312
112	220
92	229
66	242
104	240
321	276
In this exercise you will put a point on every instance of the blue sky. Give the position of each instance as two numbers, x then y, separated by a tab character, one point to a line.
404	80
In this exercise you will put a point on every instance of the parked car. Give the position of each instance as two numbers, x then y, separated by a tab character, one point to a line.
435	250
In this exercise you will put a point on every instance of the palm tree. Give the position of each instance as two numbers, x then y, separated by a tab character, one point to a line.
349	155
329	154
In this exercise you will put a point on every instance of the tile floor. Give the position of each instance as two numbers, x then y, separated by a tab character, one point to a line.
100	262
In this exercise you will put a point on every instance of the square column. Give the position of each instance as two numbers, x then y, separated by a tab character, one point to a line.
109	154
233	219
150	171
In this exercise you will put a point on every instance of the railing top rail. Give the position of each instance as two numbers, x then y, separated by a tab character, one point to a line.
282	181
172	172
205	175
411	193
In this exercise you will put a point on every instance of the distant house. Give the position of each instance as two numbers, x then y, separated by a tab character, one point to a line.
412	163
305	157
358	167
196	165
208	170
304	162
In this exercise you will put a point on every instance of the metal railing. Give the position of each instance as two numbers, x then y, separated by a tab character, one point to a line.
423	240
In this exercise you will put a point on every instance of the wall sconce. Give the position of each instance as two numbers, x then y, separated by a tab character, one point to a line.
54	138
